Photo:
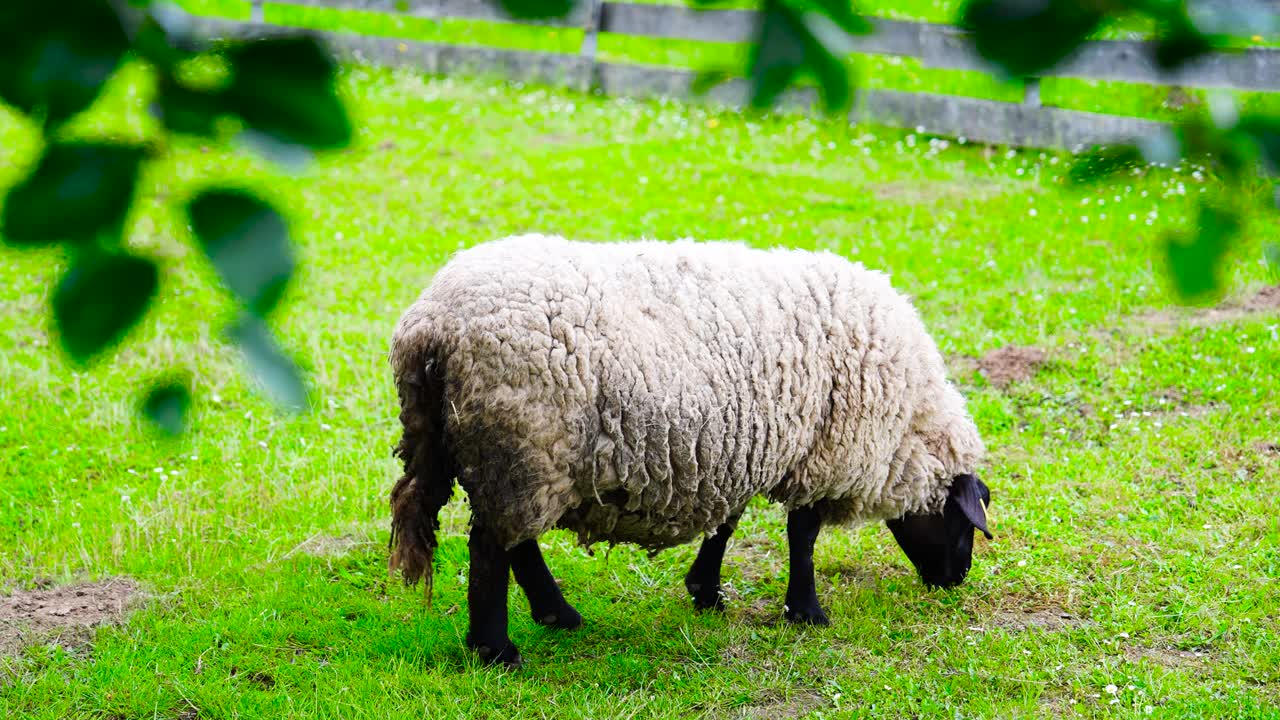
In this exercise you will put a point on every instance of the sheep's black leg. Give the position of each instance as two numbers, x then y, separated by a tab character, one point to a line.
703	579
545	599
487	600
802	597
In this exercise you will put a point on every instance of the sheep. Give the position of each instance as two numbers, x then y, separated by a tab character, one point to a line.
644	392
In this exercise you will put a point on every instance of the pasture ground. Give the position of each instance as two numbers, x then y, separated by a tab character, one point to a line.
1134	457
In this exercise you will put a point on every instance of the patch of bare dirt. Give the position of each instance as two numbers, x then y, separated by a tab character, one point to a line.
1164	657
263	680
1267	448
65	615
1266	300
763	613
1011	364
1050	619
801	703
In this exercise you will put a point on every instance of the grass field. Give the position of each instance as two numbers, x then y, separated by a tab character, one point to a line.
1134	570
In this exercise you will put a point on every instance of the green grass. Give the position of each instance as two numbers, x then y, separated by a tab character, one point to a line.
1157	532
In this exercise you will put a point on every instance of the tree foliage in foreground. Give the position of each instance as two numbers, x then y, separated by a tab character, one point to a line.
57	57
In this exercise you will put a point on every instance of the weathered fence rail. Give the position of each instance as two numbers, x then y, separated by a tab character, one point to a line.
936	46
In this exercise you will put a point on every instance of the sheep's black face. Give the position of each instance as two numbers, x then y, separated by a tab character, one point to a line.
941	545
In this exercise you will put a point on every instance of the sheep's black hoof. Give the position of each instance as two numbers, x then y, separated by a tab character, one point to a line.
566	618
508	656
712	600
811	615
705	597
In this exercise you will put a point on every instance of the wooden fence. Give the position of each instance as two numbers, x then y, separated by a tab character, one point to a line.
1028	123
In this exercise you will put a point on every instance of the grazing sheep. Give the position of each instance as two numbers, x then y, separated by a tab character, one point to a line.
645	392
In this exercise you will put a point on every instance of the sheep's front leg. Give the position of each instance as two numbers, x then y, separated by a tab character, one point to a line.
802	597
487	600
703	579
546	602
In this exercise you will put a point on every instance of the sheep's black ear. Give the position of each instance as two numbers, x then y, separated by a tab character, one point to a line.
972	496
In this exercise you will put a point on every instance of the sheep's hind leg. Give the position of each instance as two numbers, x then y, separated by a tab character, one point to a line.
546	602
487	600
703	579
802	596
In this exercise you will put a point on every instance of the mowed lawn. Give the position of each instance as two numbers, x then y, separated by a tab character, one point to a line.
1134	476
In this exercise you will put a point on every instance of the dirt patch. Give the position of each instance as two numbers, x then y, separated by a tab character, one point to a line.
1266	299
65	615
1011	364
1051	619
327	546
798	704
1267	448
762	613
262	680
1164	657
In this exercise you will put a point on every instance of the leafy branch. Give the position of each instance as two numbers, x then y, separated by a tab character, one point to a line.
1023	38
78	194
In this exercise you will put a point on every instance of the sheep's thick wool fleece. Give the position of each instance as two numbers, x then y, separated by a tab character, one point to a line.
644	392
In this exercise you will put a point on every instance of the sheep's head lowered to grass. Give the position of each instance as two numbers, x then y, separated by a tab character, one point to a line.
940	545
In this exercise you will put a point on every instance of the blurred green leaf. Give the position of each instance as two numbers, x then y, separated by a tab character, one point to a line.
1180	44
778	54
248	243
276	372
99	299
77	192
166	406
56	59
284	88
538	9
1026	37
839	12
184	110
705	80
1229	152
1195	264
155	43
1103	163
1265	132
795	38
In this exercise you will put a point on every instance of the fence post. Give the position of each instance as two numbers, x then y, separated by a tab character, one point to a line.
1031	93
590	41
255	12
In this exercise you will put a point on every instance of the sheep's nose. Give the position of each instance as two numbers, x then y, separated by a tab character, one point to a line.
944	579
